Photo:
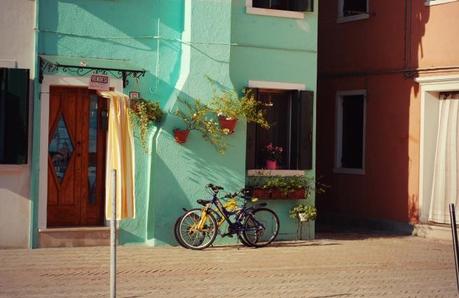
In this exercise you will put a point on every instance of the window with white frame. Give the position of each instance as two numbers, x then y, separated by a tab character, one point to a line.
293	5
290	115
435	2
350	131
349	10
280	8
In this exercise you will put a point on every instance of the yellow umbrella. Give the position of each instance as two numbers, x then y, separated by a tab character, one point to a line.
120	157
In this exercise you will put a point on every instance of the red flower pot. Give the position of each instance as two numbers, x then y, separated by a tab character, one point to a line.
261	193
181	135
271	164
277	194
227	123
296	194
291	195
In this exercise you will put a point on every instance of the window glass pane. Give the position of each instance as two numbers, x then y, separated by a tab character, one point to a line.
92	158
14	91
272	4
278	105
60	149
352	138
354	7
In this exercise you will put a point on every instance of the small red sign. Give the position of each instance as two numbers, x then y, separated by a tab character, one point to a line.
99	82
134	94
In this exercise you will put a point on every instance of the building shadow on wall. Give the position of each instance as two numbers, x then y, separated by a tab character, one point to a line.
369	56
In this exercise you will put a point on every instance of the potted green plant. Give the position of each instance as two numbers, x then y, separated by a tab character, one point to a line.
290	187
145	113
198	116
281	187
230	107
303	213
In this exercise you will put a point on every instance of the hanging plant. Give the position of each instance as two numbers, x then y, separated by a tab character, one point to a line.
198	116
145	113
230	107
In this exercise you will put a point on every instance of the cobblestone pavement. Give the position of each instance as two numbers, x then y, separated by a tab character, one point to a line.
333	266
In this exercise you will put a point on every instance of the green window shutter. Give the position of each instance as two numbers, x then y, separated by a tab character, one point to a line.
302	130
301	5
14	115
250	152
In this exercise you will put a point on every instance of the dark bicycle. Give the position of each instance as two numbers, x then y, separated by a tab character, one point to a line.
255	225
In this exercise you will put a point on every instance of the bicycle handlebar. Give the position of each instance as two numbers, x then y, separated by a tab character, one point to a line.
214	188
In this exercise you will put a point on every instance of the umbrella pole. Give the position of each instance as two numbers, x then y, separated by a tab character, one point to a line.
113	239
452	215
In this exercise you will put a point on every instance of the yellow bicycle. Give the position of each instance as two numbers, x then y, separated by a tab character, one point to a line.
255	225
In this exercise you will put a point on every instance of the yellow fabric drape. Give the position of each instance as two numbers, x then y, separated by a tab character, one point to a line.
120	157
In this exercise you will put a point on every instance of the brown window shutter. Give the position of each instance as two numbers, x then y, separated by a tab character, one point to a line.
306	114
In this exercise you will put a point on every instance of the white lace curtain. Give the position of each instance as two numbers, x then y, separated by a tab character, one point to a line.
445	186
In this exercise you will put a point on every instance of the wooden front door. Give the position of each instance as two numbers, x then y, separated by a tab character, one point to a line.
76	157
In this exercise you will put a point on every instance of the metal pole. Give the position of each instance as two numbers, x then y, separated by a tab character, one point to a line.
113	239
452	215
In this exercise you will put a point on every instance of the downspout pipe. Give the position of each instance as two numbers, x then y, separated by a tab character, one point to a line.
35	148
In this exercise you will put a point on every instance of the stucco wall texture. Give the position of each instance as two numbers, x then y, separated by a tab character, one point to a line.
17	20
376	54
181	44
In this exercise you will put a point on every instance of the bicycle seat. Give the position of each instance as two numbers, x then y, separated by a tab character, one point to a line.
203	202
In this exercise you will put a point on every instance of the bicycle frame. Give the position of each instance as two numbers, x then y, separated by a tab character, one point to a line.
233	227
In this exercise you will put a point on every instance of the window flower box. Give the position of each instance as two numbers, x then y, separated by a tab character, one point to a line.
297	194
278	194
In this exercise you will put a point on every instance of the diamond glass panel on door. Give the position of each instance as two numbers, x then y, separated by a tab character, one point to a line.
60	149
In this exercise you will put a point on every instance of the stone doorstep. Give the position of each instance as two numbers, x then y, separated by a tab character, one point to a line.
74	237
442	232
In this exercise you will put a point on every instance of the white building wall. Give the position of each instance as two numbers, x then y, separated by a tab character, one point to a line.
17	49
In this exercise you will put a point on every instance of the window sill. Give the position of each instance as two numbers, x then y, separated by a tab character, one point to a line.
274	12
358	17
13	168
268	173
349	171
432	3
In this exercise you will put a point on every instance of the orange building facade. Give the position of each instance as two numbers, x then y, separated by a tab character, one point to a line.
387	71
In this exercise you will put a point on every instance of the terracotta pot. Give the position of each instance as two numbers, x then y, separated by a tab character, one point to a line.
277	194
292	195
271	164
296	194
181	135
261	193
227	124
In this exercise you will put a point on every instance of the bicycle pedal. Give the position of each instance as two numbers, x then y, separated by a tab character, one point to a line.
227	234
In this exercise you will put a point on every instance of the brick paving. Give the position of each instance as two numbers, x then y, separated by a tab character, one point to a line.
334	266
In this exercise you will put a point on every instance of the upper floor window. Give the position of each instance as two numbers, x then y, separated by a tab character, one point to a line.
280	8
351	10
294	5
435	2
350	132
14	108
290	114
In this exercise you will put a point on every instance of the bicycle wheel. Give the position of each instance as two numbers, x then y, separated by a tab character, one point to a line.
243	241
261	227
195	234
176	227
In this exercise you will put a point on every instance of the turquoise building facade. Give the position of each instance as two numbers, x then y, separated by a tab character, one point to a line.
180	45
